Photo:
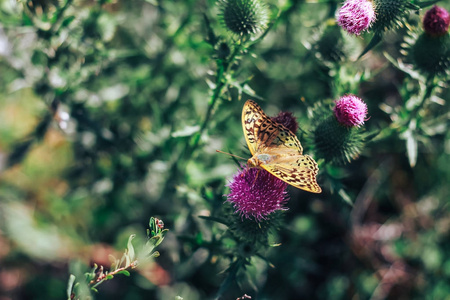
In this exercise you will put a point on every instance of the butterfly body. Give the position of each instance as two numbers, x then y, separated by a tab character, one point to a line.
277	150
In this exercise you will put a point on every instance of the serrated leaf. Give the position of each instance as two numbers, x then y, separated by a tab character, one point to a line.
402	67
373	42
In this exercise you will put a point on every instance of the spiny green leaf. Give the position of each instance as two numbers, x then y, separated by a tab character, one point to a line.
375	40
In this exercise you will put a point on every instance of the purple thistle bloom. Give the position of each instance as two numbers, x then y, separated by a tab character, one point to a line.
257	193
350	111
436	21
356	16
287	119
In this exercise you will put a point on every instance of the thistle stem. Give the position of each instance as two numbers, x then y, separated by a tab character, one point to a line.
220	82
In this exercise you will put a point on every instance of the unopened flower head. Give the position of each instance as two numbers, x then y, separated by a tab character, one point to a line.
255	193
287	119
350	111
436	21
244	17
355	16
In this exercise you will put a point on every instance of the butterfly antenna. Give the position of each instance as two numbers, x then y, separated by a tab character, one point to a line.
230	154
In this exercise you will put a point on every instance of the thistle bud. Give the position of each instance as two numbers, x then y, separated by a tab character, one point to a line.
337	138
244	17
430	52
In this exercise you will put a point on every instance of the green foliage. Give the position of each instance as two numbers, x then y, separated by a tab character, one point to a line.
114	109
128	261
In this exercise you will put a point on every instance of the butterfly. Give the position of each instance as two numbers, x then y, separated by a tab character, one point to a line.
277	150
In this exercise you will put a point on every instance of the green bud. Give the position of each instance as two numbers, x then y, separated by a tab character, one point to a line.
244	17
431	54
336	143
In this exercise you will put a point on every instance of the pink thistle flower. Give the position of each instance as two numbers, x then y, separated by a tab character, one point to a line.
436	21
255	193
350	111
356	16
287	119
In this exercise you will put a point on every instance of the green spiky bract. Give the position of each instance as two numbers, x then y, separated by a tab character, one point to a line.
389	14
249	230
431	54
244	17
335	143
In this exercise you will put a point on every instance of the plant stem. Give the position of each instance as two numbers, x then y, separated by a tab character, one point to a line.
220	82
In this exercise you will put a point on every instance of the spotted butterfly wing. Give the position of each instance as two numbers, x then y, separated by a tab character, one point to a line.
277	150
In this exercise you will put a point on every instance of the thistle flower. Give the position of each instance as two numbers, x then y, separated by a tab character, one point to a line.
244	17
287	119
350	111
337	137
355	16
255	193
436	21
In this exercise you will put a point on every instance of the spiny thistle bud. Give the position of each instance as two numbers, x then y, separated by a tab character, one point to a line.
436	21
430	51
287	119
390	14
255	193
431	54
244	17
337	138
355	16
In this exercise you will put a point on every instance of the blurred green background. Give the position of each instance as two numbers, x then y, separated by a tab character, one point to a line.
99	104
